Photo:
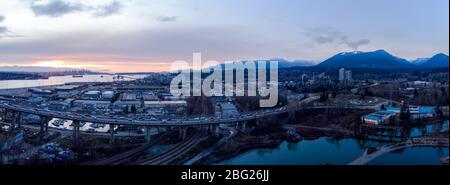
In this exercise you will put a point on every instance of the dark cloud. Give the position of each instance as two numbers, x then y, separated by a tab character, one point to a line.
162	44
356	44
55	8
58	8
327	35
166	18
109	9
3	29
323	35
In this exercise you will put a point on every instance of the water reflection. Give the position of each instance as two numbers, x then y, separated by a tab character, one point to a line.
413	156
341	151
292	147
58	80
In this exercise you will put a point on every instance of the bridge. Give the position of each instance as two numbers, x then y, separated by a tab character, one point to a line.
412	142
171	122
152	123
18	109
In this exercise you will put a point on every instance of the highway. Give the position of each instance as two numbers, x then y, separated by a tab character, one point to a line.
12	104
176	121
156	122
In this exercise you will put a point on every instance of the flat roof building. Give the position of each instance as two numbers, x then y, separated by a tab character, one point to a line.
377	118
382	116
161	104
92	95
107	95
128	97
120	106
150	97
67	87
92	104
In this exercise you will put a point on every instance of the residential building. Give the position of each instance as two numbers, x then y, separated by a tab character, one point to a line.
345	75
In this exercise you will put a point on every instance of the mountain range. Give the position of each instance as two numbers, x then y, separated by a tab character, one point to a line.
381	59
419	61
282	63
356	59
438	60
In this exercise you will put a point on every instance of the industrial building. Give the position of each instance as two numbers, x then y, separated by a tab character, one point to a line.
379	117
421	112
171	107
68	87
163	104
92	95
107	95
382	116
150	97
128	97
59	105
120	106
92	104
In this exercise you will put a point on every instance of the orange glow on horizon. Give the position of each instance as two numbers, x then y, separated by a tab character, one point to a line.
63	64
104	66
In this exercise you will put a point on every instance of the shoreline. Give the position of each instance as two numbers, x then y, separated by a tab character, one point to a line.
314	134
268	143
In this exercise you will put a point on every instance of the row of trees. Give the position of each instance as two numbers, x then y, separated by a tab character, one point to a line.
130	109
200	105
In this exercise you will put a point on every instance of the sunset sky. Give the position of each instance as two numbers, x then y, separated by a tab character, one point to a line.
147	35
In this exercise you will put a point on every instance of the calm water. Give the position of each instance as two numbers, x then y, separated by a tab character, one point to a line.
305	153
339	152
57	80
324	150
413	156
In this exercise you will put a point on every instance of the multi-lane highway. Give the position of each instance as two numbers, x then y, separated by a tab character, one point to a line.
155	122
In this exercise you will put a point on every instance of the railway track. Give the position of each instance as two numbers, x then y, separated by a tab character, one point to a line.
126	156
173	153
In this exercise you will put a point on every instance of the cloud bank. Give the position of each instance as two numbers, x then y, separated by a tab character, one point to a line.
3	29
55	8
327	35
58	8
109	9
166	18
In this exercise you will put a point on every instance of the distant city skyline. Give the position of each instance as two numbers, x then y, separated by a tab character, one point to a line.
147	35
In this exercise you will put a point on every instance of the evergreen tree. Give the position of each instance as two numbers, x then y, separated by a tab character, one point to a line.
133	109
